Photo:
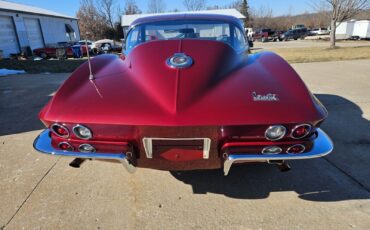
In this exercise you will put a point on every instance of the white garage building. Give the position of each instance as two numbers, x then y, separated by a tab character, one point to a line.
24	26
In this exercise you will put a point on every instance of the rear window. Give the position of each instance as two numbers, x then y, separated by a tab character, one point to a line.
186	29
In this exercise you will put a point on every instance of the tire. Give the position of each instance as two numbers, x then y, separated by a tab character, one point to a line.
263	39
43	55
94	51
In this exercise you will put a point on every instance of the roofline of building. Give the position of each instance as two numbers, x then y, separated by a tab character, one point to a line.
33	13
211	12
10	6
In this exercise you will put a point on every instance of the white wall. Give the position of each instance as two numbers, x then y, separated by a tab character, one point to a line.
53	28
344	30
362	29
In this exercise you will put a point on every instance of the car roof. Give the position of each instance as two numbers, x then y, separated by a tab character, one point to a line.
173	17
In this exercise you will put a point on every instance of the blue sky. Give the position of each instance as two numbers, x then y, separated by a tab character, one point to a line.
279	7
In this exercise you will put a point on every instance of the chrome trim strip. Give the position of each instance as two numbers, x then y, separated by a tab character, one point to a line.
322	146
43	144
148	145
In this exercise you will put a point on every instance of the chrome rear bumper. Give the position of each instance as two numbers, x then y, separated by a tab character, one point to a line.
322	146
43	144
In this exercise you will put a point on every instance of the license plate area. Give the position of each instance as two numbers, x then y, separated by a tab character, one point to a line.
190	145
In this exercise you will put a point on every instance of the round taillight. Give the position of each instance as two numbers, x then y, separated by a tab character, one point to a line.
295	149
82	132
301	131
86	148
60	130
270	150
275	132
65	146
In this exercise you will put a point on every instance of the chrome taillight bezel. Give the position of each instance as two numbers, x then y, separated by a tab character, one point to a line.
273	126
63	143
59	126
83	151
77	134
272	146
303	148
298	126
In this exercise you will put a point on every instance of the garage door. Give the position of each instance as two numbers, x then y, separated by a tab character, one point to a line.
8	37
34	33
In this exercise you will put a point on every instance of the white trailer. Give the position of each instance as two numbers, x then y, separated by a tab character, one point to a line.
345	29
362	29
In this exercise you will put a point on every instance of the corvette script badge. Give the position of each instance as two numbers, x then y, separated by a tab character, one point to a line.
266	97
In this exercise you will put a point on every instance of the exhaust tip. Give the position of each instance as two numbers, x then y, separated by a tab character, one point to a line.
76	163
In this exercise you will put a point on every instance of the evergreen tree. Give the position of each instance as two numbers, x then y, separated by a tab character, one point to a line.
244	9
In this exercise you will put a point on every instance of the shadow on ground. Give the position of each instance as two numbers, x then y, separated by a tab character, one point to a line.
314	180
21	99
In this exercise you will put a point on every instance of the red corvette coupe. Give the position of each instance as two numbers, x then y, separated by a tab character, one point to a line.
185	95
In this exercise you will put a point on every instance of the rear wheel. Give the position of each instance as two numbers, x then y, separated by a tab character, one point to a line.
43	55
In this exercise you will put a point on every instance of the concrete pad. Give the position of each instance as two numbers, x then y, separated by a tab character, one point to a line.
343	87
22	97
103	195
21	170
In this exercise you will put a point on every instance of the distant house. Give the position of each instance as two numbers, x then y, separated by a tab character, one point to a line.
24	26
126	20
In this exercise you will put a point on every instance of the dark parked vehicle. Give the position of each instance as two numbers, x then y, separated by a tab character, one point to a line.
277	36
60	49
295	34
263	35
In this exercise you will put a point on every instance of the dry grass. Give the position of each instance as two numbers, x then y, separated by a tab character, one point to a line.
319	54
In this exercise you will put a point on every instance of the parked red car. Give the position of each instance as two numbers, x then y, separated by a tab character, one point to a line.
185	96
51	51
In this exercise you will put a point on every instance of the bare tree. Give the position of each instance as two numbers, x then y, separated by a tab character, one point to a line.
194	5
263	17
214	7
91	21
156	6
108	10
342	10
131	7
